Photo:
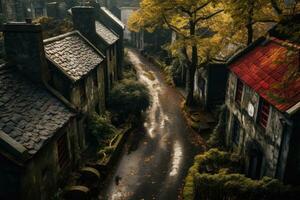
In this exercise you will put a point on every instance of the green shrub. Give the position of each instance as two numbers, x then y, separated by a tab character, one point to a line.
215	160
101	128
224	181
129	97
237	186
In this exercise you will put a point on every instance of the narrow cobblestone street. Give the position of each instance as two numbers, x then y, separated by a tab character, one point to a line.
156	159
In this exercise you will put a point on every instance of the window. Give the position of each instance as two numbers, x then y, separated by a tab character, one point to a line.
82	93
1	9
263	113
239	92
39	12
62	152
236	131
95	79
110	54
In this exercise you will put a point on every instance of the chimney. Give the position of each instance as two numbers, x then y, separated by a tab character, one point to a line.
23	44
53	10
84	21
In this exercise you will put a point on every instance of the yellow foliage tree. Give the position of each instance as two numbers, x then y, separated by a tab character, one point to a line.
193	21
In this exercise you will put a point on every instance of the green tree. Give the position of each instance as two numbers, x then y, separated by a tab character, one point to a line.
189	19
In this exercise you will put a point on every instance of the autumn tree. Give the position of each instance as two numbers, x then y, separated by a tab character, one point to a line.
189	19
248	12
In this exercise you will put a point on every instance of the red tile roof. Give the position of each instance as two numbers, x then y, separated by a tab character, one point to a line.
272	70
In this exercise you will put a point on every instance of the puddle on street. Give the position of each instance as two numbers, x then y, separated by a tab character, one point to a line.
154	158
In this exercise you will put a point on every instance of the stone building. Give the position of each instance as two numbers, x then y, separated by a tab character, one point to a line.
110	21
39	141
102	37
210	81
19	10
76	74
263	104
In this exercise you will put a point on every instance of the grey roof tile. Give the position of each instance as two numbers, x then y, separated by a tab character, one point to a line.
30	115
113	17
107	35
72	54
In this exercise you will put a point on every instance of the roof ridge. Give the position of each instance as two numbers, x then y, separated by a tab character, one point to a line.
285	43
52	39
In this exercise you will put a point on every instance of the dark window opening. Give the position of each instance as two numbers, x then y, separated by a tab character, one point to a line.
255	164
263	113
1	9
110	55
62	152
39	12
95	80
111	80
82	93
97	109
239	92
236	131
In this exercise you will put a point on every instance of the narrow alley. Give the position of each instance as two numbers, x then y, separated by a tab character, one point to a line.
156	159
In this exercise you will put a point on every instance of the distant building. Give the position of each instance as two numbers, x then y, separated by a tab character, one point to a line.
39	141
76	74
125	13
110	21
19	10
102	37
210	81
264	109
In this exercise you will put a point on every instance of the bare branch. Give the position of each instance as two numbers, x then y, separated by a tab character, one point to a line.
208	16
202	6
173	28
185	10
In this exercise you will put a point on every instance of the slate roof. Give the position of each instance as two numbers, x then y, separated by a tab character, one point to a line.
107	35
264	70
28	114
113	17
228	51
73	54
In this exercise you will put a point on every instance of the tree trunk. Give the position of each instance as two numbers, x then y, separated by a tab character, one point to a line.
249	34
190	85
250	22
192	68
276	7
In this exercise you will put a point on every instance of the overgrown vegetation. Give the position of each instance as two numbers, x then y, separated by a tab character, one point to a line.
129	98
216	175
105	134
236	186
212	161
54	27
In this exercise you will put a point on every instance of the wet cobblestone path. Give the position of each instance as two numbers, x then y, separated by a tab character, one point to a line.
155	159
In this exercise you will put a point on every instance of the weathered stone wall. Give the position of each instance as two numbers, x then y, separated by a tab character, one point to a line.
93	93
210	85
269	140
42	174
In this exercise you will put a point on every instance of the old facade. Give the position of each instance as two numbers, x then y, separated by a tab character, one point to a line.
76	74
103	38
19	10
210	81
263	116
38	133
104	16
